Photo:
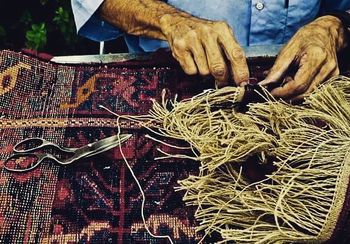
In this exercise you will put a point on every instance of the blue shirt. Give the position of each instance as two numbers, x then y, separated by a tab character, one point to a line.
254	22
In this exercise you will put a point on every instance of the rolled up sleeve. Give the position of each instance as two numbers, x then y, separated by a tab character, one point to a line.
88	22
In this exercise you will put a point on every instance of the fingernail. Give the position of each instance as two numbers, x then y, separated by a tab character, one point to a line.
243	84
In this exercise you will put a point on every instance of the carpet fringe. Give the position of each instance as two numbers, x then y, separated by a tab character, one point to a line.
298	202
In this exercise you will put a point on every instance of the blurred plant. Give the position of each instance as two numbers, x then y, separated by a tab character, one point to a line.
36	37
43	25
65	24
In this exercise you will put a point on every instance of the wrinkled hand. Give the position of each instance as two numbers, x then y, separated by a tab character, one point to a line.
312	52
206	47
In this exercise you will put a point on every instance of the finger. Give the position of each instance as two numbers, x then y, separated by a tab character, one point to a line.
280	67
187	63
200	58
324	74
307	72
216	62
236	56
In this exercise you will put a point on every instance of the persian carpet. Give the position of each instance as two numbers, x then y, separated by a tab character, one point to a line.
96	199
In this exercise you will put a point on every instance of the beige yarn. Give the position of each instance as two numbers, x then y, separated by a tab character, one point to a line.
301	200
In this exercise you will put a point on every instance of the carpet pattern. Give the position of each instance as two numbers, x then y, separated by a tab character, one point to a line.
94	200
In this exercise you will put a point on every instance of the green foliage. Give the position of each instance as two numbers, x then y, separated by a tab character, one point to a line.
59	20
37	36
44	25
64	22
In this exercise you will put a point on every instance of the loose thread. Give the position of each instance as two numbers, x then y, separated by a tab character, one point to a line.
137	182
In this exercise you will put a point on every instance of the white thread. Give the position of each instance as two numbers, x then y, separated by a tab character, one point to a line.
137	182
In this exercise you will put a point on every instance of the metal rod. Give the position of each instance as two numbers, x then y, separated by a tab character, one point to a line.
102	47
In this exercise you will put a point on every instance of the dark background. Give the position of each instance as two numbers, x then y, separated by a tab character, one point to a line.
46	26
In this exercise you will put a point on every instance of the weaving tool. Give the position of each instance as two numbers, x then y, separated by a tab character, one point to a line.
30	152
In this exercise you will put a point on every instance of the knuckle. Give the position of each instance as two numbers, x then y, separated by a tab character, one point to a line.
242	76
218	69
318	52
238	54
180	44
204	29
192	34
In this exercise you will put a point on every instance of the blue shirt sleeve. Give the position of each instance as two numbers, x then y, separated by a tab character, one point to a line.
331	5
88	22
254	22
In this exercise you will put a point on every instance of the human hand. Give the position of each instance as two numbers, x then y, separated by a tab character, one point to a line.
205	47
312	52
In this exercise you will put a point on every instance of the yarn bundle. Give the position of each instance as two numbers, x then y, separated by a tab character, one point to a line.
301	200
